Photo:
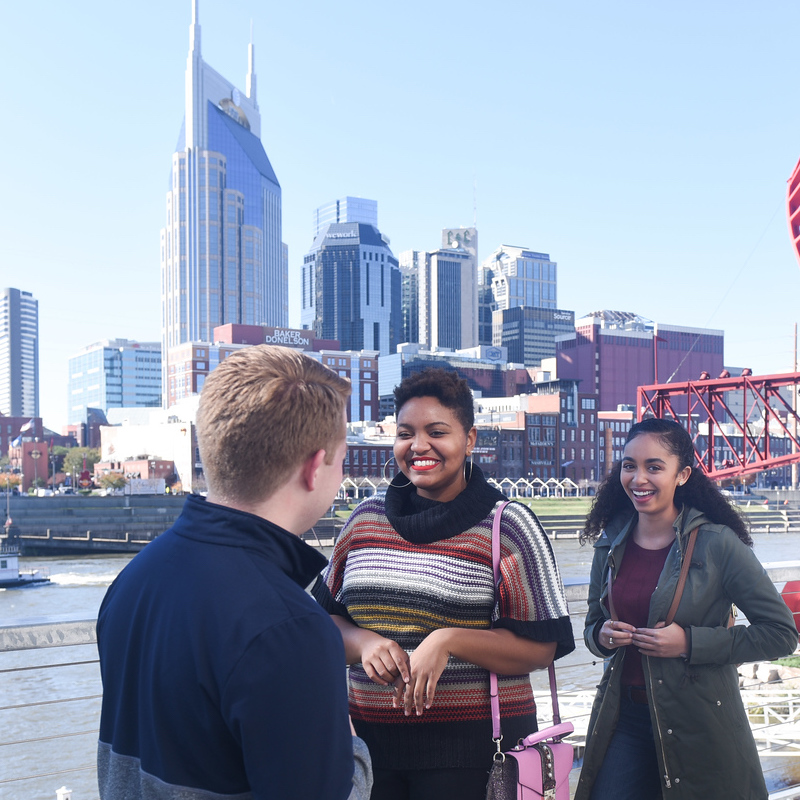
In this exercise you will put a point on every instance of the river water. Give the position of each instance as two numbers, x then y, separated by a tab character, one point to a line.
77	587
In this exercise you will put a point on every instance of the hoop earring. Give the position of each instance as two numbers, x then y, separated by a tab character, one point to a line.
468	478
389	480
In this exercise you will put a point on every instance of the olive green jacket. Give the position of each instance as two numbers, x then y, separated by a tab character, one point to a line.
703	741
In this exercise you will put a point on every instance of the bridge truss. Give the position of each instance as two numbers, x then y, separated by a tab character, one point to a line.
746	417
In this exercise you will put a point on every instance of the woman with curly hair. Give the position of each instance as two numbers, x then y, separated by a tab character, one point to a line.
668	720
411	588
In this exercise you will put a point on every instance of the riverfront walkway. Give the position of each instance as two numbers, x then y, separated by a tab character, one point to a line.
72	524
65	525
48	723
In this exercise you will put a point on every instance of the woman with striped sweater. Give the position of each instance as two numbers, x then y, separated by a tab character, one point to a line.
410	587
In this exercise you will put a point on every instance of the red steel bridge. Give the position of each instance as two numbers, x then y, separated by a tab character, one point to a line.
747	418
742	425
793	209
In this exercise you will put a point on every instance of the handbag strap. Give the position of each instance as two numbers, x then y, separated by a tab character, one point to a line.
687	557
493	689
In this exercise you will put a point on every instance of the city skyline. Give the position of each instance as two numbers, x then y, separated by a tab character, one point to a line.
647	150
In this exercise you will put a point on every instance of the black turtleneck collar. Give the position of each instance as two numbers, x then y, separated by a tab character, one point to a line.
422	521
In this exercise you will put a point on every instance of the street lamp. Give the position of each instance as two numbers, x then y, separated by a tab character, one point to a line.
35	455
7	523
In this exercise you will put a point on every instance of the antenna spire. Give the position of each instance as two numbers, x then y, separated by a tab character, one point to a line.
251	68
194	30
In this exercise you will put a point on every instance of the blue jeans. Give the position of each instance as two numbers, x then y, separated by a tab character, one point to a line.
630	767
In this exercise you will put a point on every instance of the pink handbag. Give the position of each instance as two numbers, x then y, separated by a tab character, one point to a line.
539	765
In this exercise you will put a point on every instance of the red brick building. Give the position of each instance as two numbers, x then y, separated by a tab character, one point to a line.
612	353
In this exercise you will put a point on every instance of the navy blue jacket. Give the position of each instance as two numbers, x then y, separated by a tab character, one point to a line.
220	673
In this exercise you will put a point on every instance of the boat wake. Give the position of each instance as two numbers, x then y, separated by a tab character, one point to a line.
77	579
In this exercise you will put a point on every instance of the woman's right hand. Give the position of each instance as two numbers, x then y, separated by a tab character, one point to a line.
385	661
615	634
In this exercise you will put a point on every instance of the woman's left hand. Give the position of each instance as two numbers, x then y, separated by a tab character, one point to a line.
427	665
671	641
496	649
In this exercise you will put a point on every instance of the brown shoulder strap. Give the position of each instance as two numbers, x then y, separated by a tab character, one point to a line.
687	557
611	608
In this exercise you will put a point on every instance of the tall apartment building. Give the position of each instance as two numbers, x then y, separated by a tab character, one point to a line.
19	354
222	258
351	287
612	353
113	373
448	300
442	287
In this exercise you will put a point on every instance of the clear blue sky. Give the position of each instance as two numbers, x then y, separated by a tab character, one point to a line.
645	146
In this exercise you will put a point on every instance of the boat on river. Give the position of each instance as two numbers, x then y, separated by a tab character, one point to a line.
12	578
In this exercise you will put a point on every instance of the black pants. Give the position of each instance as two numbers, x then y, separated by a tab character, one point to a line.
430	784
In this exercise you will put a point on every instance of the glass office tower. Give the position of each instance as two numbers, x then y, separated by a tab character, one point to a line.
113	373
222	259
351	288
521	277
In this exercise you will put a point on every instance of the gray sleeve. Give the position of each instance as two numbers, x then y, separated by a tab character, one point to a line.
771	632
596	614
362	774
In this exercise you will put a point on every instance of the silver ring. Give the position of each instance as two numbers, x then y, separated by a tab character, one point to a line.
611	640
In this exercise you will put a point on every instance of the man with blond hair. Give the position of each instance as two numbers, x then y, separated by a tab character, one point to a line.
222	678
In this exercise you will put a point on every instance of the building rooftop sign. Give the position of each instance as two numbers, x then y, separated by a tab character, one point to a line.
531	254
289	337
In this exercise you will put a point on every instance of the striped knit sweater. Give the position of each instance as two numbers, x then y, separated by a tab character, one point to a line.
405	566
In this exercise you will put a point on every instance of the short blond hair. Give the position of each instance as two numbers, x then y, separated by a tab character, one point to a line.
263	411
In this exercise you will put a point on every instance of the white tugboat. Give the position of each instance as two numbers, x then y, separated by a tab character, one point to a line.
12	578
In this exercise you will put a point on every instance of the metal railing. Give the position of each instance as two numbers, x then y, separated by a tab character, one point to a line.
51	697
50	709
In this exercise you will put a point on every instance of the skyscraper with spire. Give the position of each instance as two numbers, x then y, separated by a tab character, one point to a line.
222	258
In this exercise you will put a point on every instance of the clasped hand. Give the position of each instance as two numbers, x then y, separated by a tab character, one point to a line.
413	678
669	641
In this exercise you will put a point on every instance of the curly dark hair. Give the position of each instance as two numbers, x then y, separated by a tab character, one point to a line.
698	491
446	386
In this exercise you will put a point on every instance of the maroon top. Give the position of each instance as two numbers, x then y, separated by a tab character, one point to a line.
635	583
